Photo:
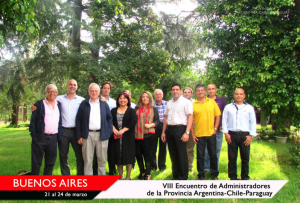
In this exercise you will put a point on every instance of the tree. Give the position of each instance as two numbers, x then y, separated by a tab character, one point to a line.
17	19
257	43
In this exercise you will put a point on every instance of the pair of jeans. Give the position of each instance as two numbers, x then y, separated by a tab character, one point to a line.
210	141
219	141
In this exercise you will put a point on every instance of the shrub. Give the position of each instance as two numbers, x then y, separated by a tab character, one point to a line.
295	154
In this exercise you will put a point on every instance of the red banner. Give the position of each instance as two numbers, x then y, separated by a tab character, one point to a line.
56	183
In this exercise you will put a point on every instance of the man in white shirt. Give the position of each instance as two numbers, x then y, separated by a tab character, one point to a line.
176	129
132	105
239	126
93	129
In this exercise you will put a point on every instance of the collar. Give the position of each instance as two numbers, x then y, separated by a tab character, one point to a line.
91	102
206	99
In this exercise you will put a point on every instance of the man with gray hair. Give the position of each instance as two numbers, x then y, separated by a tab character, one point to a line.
45	129
93	129
132	105
160	104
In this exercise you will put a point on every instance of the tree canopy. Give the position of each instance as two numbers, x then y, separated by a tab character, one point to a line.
257	48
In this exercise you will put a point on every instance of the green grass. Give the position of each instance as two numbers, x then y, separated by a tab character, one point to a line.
268	161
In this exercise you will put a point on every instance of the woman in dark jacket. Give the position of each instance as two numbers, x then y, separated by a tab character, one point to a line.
121	145
148	118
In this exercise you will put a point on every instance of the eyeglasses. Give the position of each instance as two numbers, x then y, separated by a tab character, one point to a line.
52	92
93	91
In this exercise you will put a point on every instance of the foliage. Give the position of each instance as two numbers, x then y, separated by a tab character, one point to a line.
257	44
17	19
294	151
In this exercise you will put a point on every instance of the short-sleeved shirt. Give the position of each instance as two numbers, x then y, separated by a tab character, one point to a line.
177	111
161	109
204	117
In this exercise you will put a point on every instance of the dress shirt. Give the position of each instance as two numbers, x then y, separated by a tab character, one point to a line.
221	103
177	111
69	109
192	100
161	109
95	117
239	118
111	103
132	105
51	117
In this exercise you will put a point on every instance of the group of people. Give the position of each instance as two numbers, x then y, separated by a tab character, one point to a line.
122	132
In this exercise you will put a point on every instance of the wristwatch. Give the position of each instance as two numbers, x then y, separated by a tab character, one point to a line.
188	133
216	128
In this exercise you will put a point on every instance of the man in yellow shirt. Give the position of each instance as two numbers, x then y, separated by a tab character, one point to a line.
206	113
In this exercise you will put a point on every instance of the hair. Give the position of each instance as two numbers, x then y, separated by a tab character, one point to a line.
140	104
127	91
239	88
50	86
95	85
199	85
106	83
188	89
74	80
212	84
126	96
176	84
159	91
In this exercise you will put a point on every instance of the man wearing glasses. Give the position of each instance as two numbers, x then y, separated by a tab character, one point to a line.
45	129
93	129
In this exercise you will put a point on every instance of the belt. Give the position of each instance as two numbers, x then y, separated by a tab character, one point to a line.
161	123
238	133
175	126
94	130
50	134
73	128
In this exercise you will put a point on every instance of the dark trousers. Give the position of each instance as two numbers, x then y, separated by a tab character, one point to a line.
177	151
69	136
238	140
143	148
211	148
162	152
40	146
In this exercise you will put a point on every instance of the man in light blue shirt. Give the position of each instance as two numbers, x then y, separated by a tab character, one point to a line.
69	104
132	105
239	126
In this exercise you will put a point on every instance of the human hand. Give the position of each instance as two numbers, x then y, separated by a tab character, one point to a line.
33	108
163	137
228	138
185	137
80	141
248	140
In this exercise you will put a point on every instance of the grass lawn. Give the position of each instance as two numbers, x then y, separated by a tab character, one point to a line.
268	161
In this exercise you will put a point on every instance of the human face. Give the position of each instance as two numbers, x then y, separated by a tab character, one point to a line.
105	90
127	92
51	94
158	95
176	92
94	92
212	90
72	86
145	99
239	95
200	92
123	101
187	93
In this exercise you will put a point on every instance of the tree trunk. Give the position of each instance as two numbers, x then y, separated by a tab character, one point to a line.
76	33
15	114
263	118
25	115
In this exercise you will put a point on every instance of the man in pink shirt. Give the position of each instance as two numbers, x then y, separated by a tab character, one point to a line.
45	129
